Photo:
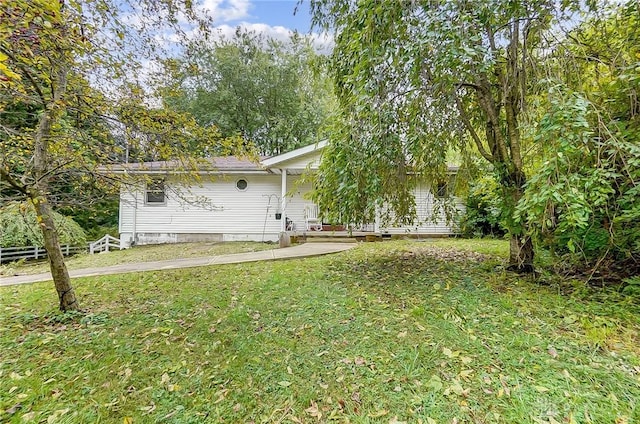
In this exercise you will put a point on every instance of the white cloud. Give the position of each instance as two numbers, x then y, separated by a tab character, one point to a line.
224	11
217	11
322	42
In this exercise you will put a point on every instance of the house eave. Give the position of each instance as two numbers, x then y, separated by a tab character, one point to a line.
272	162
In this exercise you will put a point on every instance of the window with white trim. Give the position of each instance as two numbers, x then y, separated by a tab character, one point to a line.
154	193
446	187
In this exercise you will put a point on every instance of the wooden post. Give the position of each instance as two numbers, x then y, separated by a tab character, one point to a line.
283	199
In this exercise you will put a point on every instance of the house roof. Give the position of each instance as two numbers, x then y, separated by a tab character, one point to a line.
302	151
292	161
222	164
217	164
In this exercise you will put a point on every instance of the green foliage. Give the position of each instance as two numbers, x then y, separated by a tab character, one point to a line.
49	51
99	212
632	286
417	80
484	211
20	227
580	200
584	196
273	94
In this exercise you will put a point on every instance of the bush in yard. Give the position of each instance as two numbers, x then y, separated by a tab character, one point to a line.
20	228
582	203
483	210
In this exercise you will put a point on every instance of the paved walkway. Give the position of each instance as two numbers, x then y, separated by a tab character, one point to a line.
298	251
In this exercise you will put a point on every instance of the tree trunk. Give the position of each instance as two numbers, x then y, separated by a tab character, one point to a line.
521	251
38	193
520	254
59	271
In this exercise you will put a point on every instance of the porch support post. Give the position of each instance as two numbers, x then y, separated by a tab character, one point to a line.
283	197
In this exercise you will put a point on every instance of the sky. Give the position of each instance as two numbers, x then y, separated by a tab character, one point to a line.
278	13
272	17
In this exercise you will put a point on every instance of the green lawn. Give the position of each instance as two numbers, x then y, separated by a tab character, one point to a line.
388	332
139	254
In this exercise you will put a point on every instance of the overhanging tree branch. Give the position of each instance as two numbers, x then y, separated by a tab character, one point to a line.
474	135
27	73
6	176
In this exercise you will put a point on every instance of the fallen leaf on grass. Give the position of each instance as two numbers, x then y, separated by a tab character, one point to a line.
395	420
314	411
449	353
29	416
435	383
165	378
541	389
456	388
378	414
56	414
148	409
466	374
14	409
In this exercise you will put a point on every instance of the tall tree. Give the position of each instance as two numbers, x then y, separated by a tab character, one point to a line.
273	93
584	195
418	79
54	55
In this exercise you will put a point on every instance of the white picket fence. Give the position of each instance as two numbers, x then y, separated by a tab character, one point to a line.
104	244
10	254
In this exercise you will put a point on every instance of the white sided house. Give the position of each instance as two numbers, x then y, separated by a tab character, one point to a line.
238	200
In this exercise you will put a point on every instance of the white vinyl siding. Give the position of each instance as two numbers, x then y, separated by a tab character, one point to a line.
425	224
214	208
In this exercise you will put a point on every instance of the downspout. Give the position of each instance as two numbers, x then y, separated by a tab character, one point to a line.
135	219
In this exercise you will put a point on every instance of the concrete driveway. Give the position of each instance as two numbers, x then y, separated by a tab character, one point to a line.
298	251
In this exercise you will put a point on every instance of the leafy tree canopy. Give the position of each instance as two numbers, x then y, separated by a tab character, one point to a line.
418	79
70	70
274	94
584	195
